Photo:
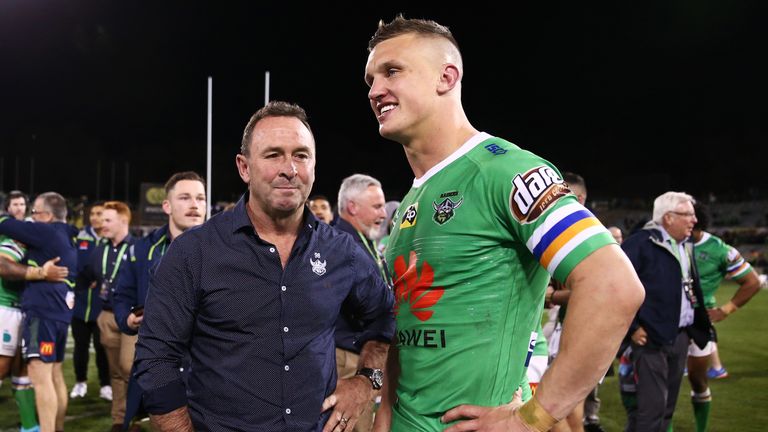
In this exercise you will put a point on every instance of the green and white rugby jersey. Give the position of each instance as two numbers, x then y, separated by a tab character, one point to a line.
473	245
717	260
10	291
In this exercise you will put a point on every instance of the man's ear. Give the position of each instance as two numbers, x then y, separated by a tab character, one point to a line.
242	168
167	207
449	78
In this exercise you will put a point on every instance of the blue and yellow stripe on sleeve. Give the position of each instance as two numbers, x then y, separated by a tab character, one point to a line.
567	235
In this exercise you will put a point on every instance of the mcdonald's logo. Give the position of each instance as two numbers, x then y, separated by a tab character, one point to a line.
46	348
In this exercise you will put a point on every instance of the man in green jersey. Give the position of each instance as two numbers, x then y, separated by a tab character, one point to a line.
715	260
473	245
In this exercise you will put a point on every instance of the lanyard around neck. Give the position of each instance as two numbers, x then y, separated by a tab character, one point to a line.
117	261
676	252
375	255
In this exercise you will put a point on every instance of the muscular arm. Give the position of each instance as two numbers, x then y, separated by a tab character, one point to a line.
605	295
49	271
749	285
11	270
175	421
383	419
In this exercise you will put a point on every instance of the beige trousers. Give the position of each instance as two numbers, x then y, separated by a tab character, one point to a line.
346	366
120	349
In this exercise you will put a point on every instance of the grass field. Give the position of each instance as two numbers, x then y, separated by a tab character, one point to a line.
739	403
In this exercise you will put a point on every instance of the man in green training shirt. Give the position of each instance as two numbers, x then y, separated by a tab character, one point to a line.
473	245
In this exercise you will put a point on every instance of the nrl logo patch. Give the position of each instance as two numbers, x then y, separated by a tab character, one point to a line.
410	215
318	266
444	211
534	192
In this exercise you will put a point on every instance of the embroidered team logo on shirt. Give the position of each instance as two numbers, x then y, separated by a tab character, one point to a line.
444	211
318	266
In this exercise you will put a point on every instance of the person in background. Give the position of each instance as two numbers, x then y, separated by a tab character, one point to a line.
715	261
361	214
321	208
617	234
12	276
87	309
101	274
185	204
46	305
16	204
672	315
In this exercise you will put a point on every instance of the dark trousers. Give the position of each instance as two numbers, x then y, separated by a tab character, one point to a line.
659	372
83	332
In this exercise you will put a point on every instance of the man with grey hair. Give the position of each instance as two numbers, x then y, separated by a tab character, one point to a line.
672	314
47	306
361	214
361	203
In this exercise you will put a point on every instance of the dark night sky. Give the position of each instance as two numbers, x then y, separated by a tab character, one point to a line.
125	82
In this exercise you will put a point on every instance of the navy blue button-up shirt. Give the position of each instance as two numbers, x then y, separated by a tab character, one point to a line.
260	336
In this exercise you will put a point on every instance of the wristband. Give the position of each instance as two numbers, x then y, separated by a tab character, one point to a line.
535	416
729	308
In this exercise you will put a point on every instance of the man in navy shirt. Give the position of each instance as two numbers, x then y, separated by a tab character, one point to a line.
185	204
47	306
253	294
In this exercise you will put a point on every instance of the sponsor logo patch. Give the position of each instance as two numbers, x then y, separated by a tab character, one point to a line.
495	149
84	245
47	348
415	290
534	192
410	215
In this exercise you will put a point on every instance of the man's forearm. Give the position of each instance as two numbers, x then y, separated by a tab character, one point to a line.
373	355
605	295
749	285
383	419
11	270
176	420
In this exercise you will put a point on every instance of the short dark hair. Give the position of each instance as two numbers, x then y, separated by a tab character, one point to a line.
400	26
56	204
179	176
574	179
702	216
272	109
14	194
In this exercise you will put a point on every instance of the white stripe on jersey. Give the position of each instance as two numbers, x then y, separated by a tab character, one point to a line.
552	220
573	244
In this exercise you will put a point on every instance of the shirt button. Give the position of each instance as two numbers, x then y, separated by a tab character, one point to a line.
272	250
287	367
283	288
287	410
285	329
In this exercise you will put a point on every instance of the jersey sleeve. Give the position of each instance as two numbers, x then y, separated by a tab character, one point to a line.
11	250
736	266
543	214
